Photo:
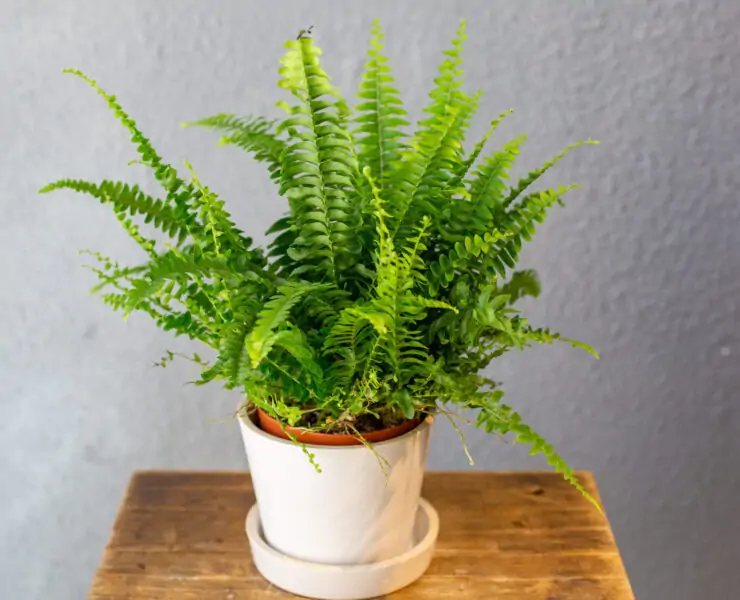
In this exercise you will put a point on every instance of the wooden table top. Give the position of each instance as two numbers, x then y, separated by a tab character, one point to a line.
503	535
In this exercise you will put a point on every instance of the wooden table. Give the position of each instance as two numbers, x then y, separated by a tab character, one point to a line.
514	536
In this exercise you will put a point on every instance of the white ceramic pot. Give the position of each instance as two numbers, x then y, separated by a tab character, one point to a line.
350	513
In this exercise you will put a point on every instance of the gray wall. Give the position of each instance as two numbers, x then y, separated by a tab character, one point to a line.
644	262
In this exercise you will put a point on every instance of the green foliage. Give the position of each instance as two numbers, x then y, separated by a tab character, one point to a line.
379	134
253	134
388	286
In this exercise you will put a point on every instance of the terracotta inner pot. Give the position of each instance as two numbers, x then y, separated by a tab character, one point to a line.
271	426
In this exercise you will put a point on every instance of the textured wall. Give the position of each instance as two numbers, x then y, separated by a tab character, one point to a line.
644	262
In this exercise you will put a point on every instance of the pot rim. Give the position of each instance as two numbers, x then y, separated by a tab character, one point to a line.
245	416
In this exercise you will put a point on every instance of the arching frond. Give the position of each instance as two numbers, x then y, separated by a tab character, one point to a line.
380	116
130	200
493	254
179	194
318	165
253	134
533	176
488	184
496	417
274	314
435	154
522	283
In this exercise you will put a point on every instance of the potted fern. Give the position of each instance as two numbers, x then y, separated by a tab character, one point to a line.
385	290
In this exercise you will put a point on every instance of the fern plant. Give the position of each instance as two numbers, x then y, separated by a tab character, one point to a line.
387	287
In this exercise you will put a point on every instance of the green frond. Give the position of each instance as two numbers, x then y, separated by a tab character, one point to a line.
446	95
435	154
295	343
496	417
218	231
519	224
349	338
533	176
411	260
233	360
274	314
522	283
134	232
110	274
455	211
322	310
380	115
318	165
179	209
181	323
488	184
499	250
464	254
465	166
344	333
282	242
130	200
144	147
178	193
181	268
424	178
545	336
395	308
256	135
431	303
385	253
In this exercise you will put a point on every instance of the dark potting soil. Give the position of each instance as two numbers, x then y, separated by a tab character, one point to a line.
365	423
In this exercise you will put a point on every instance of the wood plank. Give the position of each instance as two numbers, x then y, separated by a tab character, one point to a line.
109	586
596	540
456	490
502	535
459	529
495	565
203	532
191	479
438	482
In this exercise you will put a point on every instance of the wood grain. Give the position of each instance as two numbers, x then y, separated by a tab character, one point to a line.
513	535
